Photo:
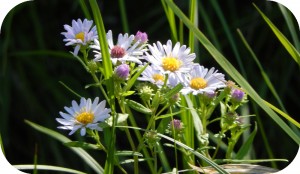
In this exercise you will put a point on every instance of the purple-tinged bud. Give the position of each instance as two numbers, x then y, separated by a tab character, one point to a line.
237	95
122	71
141	36
176	125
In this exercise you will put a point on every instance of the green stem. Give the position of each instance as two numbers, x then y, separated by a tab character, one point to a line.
140	138
131	142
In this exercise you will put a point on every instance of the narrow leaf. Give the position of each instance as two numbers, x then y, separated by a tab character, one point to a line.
196	118
247	145
284	41
134	78
83	145
47	167
174	91
128	153
138	107
89	160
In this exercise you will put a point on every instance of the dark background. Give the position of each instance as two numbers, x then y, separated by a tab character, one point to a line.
30	74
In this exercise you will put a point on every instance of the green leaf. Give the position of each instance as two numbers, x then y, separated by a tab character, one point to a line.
155	101
173	91
132	80
127	93
83	145
284	41
230	69
138	107
168	115
121	119
128	153
247	145
89	160
196	118
47	167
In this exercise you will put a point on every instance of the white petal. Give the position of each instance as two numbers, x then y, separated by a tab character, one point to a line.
83	131
75	128
64	121
66	116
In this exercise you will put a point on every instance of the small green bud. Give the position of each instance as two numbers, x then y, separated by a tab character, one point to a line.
92	66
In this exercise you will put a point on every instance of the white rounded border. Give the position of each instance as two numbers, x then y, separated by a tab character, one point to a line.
7	5
294	7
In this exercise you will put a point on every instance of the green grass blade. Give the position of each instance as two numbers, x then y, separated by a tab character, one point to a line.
123	16
171	19
85	9
208	23
230	69
228	34
293	30
89	160
289	118
47	167
107	65
269	84
284	41
107	72
194	19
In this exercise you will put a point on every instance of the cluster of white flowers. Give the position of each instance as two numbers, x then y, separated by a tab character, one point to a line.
168	65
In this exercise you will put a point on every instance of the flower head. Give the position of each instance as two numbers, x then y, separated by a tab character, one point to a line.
171	60
124	50
201	80
175	128
85	115
141	36
79	34
152	75
237	95
122	71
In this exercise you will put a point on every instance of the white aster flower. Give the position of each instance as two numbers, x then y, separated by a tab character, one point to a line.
153	76
79	34
171	60
87	114
201	80
126	49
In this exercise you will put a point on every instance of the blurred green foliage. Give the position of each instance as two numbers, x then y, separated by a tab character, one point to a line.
34	60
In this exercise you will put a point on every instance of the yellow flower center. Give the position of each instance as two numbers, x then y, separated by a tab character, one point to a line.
198	83
85	117
171	64
80	36
158	77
